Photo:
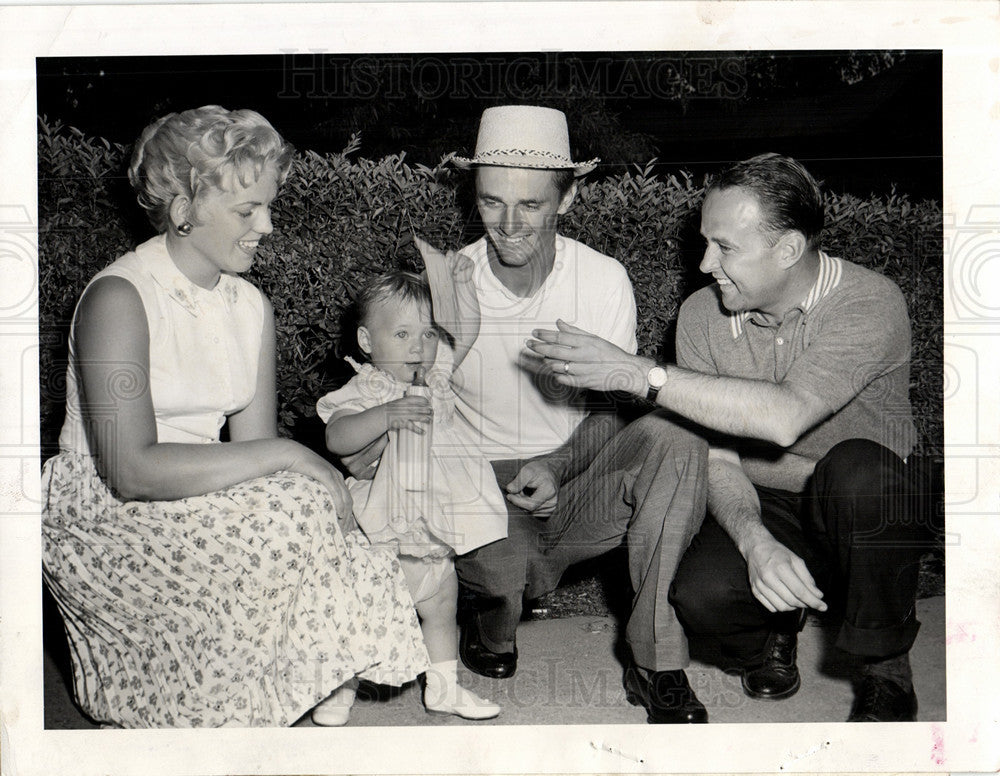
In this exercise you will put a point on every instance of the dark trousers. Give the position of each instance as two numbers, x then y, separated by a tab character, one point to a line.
645	488
854	528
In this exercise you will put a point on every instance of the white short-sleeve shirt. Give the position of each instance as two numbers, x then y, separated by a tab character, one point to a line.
509	411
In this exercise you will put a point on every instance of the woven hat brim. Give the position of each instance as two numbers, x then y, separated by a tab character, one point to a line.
526	160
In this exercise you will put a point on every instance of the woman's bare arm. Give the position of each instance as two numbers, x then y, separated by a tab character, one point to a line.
112	339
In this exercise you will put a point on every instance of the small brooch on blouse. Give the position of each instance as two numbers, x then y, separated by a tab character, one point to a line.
182	296
231	293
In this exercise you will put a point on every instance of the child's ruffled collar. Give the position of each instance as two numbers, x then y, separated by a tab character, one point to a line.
364	369
383	387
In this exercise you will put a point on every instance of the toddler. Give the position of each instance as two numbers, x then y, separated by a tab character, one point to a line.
461	507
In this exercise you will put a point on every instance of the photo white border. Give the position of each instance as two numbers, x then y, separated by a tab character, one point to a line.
969	35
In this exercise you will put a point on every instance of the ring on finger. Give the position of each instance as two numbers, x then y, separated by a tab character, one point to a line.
565	367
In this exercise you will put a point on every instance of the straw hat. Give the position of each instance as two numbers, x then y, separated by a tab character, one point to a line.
524	136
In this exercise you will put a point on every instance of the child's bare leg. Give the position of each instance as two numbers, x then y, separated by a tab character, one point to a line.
438	609
437	612
438	620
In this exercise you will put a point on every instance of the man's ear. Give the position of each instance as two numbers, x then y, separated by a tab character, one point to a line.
364	340
181	210
791	247
567	199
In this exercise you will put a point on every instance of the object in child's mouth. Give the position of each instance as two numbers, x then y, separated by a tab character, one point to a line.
414	450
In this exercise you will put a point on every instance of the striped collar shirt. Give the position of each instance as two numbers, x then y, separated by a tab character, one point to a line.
830	272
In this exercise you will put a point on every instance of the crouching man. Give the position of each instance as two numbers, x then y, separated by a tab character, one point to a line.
795	364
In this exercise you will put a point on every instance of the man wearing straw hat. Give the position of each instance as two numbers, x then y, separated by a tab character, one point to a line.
572	493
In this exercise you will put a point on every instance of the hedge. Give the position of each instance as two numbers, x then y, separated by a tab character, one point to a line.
340	220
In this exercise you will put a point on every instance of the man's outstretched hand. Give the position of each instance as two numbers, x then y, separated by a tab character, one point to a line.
583	360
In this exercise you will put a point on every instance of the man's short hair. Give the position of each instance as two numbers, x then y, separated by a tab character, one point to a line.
564	180
788	195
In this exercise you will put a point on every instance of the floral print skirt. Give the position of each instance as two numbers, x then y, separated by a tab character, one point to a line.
243	607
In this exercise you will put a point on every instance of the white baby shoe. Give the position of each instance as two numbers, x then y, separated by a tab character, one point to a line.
460	702
336	710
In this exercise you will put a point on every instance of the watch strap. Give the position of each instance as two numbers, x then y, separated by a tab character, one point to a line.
653	389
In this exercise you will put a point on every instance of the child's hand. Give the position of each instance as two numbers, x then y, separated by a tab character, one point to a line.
412	412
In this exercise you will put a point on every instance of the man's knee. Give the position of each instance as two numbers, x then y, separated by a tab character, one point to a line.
858	467
700	597
498	570
655	432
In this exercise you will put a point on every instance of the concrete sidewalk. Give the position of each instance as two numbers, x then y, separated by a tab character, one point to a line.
570	673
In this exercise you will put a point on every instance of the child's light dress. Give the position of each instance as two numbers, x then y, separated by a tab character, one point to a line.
462	507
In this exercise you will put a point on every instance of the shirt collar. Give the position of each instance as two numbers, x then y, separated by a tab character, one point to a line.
828	278
177	285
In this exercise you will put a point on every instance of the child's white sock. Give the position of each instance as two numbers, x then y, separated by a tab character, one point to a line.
442	683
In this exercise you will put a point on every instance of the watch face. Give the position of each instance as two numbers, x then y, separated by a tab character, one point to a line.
656	377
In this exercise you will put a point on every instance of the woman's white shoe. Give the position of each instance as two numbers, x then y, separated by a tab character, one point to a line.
336	710
462	703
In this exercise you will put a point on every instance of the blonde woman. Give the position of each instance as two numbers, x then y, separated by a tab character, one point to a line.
205	583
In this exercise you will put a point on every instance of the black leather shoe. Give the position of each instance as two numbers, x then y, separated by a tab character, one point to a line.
484	661
667	696
882	700
777	676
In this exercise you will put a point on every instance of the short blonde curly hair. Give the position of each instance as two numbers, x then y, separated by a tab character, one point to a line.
182	153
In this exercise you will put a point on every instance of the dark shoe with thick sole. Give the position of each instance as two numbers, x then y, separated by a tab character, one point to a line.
777	677
482	660
878	699
667	696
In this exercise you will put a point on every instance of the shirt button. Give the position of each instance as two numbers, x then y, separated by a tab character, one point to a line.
780	340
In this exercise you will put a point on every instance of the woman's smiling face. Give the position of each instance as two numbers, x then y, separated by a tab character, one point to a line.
228	224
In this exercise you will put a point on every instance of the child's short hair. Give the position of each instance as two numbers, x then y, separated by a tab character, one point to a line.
400	285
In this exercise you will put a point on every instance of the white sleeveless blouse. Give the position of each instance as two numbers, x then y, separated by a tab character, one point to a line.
204	349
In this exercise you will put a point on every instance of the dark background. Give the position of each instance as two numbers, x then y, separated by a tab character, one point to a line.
863	122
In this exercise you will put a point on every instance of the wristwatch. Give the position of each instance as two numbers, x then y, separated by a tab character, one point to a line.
656	378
